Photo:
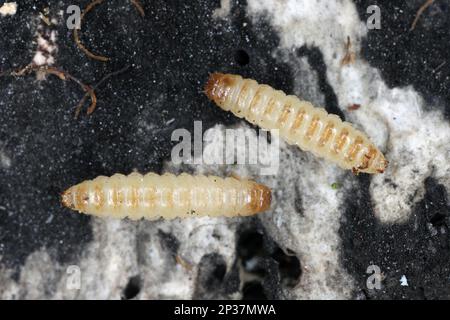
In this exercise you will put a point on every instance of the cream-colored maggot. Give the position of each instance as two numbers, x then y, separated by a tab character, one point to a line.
298	122
152	196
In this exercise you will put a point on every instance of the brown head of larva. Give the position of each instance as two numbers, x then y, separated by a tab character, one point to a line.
378	165
261	199
218	86
266	199
67	199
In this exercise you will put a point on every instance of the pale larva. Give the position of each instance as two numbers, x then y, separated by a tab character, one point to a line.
152	196
298	122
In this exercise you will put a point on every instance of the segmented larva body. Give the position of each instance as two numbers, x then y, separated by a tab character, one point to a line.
298	122
152	196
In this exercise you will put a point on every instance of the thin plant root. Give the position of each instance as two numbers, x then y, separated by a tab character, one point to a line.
186	265
349	56
19	72
45	19
419	13
77	38
139	7
90	7
63	75
57	73
90	92
43	69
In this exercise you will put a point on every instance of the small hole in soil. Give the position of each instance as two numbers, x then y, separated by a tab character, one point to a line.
212	269
250	244
251	252
253	290
219	271
132	289
289	266
241	57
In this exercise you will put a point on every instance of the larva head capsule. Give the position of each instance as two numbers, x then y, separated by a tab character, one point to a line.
261	199
75	198
219	85
378	165
67	199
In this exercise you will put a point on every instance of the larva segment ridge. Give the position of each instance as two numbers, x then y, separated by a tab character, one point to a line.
152	196
298	122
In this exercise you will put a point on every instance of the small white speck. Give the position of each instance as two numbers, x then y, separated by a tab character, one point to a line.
403	281
5	161
49	219
8	9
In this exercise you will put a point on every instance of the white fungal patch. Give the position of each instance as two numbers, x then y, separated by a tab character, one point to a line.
105	267
415	140
123	249
223	11
419	143
196	237
46	48
308	88
311	234
8	9
34	278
